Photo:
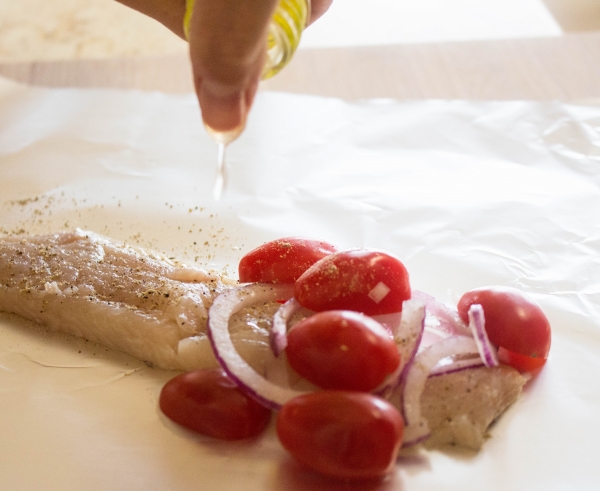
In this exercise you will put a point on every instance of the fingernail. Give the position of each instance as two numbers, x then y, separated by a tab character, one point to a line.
222	111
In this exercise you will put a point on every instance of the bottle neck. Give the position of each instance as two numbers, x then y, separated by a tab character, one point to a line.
285	30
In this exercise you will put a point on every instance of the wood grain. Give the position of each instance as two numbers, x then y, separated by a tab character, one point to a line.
564	68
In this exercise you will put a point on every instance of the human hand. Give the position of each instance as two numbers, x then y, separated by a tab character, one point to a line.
227	50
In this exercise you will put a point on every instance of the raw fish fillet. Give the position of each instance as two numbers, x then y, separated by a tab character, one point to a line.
108	292
143	304
461	406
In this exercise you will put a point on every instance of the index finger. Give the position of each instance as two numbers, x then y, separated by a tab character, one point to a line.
227	48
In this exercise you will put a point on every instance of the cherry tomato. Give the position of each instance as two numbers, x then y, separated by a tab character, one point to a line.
362	280
209	402
341	349
513	322
521	363
346	435
282	261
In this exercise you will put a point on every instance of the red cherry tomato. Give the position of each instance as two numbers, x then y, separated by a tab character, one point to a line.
513	322
209	402
341	349
521	363
282	261
346	435
362	280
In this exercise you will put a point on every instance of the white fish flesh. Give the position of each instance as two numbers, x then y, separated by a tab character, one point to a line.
143	304
117	295
461	406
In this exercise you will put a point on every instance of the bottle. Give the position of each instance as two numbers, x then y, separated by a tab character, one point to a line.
285	30
284	34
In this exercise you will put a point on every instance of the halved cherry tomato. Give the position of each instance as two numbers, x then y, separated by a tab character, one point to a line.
282	261
363	280
513	322
209	402
521	363
346	435
342	349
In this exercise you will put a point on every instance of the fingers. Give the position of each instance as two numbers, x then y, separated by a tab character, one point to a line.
227	49
317	9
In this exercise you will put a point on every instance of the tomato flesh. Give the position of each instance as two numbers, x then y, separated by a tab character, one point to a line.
363	280
513	322
345	435
282	260
209	402
520	362
342	349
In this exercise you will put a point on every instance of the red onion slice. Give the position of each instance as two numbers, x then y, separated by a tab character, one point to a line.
440	316
417	428
248	380
410	333
431	336
278	334
456	365
488	352
407	337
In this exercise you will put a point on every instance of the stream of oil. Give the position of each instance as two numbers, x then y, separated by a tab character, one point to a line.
284	35
223	138
220	177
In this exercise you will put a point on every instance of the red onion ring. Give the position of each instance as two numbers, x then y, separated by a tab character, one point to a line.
487	351
408	337
248	380
278	333
447	317
410	332
454	365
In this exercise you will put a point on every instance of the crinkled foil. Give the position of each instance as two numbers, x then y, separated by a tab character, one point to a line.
467	194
